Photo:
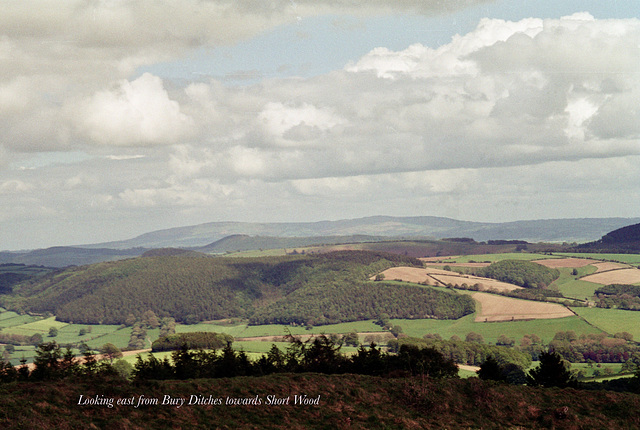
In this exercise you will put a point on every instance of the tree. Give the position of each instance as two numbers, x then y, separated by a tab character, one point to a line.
123	368
474	337
149	319
51	362
505	341
624	335
167	326
138	337
396	330
491	370
351	339
130	320
111	351
53	332
552	372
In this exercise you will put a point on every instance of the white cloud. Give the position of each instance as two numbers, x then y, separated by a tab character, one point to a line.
138	112
296	123
15	186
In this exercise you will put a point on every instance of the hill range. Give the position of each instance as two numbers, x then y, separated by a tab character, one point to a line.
221	237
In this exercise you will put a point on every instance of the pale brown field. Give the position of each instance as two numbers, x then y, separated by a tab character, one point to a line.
621	276
485	283
407	274
606	265
467	367
434	276
571	263
460	264
499	308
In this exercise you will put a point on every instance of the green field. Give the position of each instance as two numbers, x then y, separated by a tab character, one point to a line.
546	329
570	286
612	321
244	330
481	258
622	258
590	369
10	319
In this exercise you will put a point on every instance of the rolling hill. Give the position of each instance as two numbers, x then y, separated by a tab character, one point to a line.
192	287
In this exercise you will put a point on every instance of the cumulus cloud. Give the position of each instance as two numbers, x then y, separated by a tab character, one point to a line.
136	112
505	94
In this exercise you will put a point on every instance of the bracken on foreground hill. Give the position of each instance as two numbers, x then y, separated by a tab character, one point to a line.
192	287
343	402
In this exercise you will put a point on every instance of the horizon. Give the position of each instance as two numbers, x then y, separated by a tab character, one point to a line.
140	235
122	119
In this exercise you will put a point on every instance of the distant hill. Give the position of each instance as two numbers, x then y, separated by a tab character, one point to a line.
622	240
63	256
221	237
244	242
553	230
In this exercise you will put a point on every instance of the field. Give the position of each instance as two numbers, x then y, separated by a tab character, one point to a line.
433	276
620	276
499	308
555	263
545	328
612	320
621	258
572	286
606	266
498	257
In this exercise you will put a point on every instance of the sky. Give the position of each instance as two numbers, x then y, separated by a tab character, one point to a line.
122	117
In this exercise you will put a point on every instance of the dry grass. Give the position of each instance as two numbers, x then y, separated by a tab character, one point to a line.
621	276
432	276
499	308
460	264
605	266
571	263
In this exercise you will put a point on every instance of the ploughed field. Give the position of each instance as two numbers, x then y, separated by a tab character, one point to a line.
498	308
439	277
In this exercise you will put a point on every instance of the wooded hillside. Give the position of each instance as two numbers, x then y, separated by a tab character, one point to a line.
192	287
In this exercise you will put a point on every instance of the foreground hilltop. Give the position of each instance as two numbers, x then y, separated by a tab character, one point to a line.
334	401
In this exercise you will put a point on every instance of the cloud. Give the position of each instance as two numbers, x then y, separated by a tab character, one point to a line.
505	94
296	123
137	112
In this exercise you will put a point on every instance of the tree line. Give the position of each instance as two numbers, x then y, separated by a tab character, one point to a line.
320	354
